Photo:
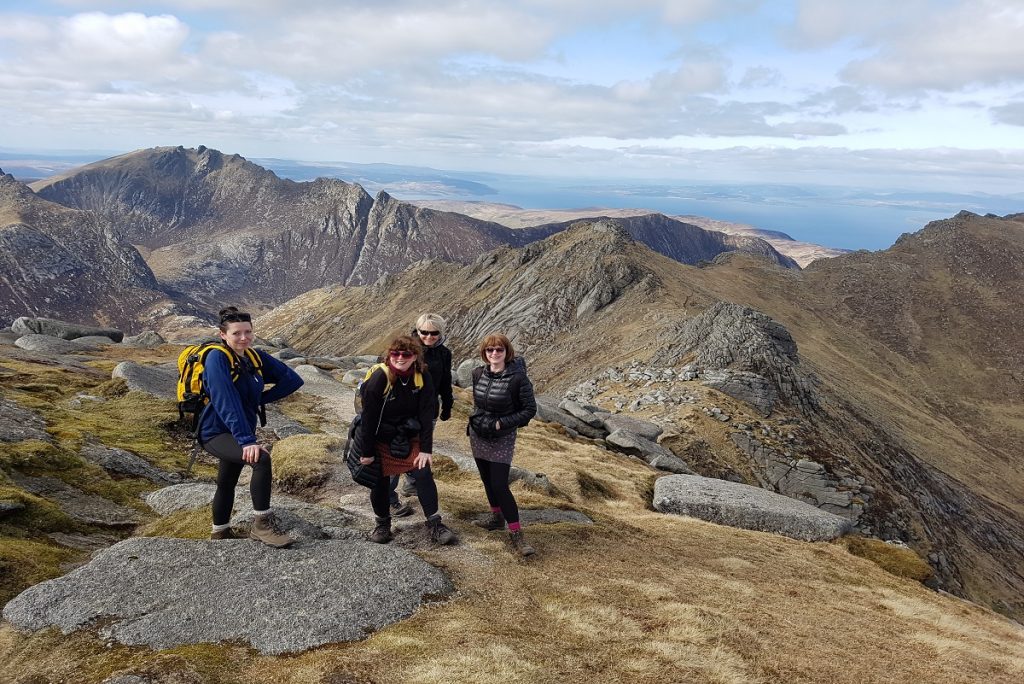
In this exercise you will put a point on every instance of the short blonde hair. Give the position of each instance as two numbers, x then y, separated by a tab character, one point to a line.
433	318
496	340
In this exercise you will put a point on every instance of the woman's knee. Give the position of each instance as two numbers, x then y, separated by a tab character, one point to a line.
264	463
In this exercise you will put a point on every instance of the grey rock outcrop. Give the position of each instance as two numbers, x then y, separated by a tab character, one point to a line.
577	411
748	387
123	462
145	339
321	593
653	453
47	344
87	508
18	423
160	381
804	479
740	505
63	329
643	428
549	411
464	373
739	339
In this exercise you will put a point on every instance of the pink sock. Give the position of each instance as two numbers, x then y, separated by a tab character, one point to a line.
513	527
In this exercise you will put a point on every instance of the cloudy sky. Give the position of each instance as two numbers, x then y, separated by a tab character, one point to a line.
916	93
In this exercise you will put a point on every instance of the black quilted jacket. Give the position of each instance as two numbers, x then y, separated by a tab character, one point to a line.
506	397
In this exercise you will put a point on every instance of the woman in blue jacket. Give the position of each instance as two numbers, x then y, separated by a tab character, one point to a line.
227	427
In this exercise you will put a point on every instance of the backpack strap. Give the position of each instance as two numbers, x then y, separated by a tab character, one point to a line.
478	373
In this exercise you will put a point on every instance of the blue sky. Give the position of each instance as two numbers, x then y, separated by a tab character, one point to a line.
919	94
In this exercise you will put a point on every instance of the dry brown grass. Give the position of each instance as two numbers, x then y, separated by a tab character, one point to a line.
305	461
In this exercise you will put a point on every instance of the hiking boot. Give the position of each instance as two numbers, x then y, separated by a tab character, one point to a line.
400	510
223	534
408	487
262	530
520	545
382	532
494	521
439	532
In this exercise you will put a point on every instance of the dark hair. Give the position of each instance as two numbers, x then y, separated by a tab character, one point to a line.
231	314
494	340
405	343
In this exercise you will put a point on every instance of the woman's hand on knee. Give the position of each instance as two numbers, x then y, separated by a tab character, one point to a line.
366	460
422	460
251	453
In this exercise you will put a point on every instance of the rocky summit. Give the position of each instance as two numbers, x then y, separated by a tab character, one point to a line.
831	412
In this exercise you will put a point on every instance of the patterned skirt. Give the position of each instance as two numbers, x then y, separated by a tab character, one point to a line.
396	466
494	450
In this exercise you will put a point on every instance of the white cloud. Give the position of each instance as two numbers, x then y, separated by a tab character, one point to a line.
975	43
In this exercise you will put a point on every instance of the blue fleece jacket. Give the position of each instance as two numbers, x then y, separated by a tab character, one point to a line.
234	406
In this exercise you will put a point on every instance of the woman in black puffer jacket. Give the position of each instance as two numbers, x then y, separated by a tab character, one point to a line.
503	402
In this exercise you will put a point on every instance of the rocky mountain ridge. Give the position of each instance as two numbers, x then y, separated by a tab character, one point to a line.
222	228
512	216
866	413
55	260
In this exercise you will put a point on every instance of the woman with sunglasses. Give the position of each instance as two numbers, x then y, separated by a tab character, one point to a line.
429	329
227	425
397	404
502	402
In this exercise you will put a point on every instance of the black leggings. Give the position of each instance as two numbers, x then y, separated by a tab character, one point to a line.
229	454
495	479
426	490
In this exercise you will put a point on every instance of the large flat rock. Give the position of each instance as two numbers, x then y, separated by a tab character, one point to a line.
62	329
160	381
297	518
164	593
751	508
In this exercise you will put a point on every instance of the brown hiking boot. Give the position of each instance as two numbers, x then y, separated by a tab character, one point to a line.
439	532
263	530
494	521
520	545
226	533
382	532
400	510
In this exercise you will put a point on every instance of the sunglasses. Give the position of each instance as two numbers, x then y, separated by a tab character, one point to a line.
237	318
430	333
494	350
401	354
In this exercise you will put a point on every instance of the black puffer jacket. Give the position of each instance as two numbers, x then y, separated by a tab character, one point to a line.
506	397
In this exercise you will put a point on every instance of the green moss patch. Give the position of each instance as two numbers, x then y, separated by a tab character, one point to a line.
24	563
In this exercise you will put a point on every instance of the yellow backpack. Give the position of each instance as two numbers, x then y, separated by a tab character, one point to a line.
192	396
358	399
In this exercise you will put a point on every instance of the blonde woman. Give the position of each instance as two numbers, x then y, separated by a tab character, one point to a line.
429	329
